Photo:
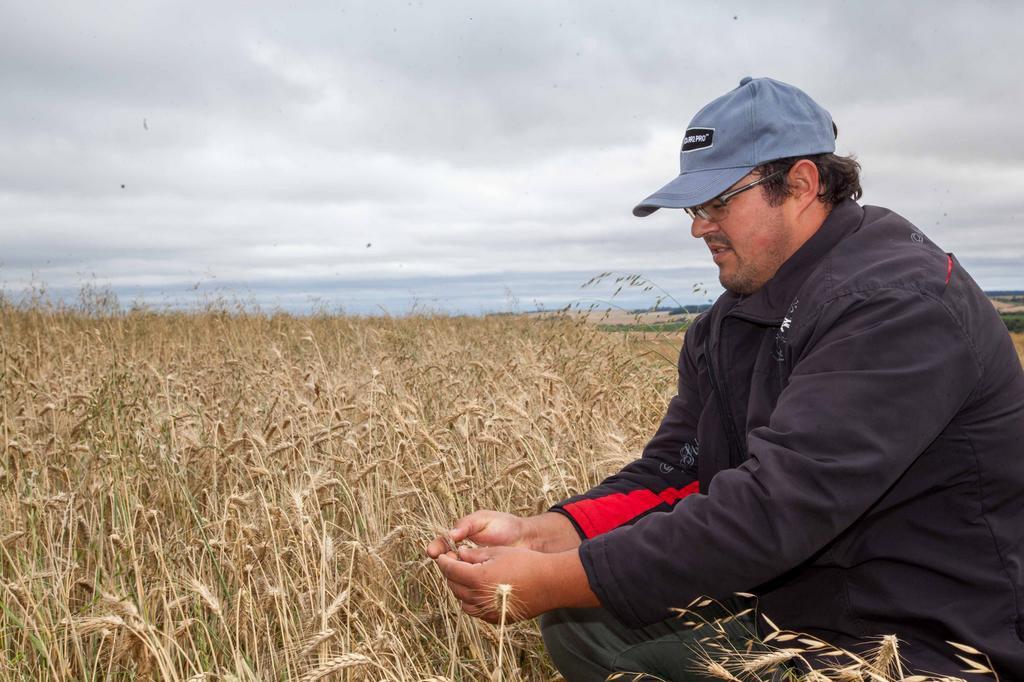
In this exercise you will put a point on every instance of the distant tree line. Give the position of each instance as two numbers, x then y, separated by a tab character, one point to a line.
1014	321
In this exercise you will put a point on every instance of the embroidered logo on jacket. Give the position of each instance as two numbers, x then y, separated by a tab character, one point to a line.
688	456
780	336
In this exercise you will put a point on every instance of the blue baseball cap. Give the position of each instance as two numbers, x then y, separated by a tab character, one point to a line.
760	121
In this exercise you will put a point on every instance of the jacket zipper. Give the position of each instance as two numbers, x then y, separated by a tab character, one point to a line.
723	406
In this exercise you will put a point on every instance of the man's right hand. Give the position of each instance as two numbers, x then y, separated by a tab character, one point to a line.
485	527
546	532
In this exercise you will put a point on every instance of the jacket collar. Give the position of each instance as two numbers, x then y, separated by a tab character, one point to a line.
770	303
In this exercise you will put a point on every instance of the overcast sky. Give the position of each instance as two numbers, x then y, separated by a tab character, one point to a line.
464	156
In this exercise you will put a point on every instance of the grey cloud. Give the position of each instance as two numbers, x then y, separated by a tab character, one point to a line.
463	139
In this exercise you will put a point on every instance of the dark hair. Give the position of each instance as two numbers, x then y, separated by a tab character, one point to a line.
839	178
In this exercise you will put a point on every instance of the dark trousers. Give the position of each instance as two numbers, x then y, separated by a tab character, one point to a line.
588	645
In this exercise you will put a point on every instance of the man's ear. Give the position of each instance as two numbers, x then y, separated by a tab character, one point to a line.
804	182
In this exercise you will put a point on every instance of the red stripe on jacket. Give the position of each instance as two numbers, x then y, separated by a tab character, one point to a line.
601	514
949	268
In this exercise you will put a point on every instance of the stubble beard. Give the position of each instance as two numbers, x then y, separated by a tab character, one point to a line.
750	275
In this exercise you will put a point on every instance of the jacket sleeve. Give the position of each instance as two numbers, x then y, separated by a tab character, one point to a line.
880	377
665	473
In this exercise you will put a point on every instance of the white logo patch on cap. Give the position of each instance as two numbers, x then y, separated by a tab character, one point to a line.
698	138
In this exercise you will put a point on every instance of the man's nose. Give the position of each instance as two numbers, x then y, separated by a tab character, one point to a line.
701	227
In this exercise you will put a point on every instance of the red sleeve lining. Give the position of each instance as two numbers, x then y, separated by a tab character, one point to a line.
601	514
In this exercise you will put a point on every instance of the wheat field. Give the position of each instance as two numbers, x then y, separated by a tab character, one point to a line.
223	496
219	496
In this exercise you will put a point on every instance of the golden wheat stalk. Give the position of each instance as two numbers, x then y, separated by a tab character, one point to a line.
334	664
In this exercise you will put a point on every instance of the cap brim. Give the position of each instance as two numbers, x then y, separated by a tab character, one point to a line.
691	189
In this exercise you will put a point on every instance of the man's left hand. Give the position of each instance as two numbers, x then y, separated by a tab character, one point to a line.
538	581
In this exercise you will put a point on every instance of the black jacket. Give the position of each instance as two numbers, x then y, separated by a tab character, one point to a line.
848	444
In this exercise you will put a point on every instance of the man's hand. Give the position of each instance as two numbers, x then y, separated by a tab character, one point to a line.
538	582
483	527
548	532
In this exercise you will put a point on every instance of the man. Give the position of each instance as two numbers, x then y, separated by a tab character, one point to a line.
846	441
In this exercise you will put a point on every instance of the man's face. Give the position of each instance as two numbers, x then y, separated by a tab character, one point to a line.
749	243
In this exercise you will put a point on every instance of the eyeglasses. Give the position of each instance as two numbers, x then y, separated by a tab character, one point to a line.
714	211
